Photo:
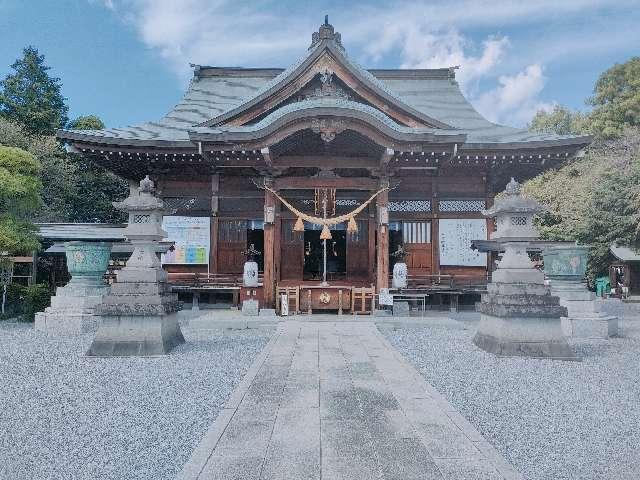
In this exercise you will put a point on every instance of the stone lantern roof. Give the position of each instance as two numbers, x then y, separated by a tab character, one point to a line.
512	201
514	215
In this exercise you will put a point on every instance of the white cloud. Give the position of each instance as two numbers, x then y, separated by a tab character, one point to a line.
515	99
222	32
421	48
505	83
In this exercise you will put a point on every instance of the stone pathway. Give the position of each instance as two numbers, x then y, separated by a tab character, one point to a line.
336	401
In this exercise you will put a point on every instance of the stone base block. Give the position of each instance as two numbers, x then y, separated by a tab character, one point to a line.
523	337
250	308
136	336
605	326
401	308
72	310
267	312
64	323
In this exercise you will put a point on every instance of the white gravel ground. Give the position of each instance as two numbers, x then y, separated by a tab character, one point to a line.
66	416
551	419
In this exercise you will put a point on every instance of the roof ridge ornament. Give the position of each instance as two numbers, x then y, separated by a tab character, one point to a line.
327	87
326	32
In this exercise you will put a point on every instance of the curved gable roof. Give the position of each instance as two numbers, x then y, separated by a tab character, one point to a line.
326	53
218	94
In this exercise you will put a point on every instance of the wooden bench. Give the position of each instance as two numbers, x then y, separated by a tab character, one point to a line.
207	282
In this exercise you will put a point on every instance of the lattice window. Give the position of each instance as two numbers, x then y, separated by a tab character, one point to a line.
141	218
347	202
416	232
518	221
410	206
461	205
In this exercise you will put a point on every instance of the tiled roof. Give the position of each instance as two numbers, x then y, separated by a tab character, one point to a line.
217	92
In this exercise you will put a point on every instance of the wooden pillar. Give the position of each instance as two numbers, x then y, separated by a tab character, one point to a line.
270	244
382	252
371	240
213	254
435	234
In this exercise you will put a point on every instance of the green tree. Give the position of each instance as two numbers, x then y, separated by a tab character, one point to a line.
616	99
19	197
31	97
594	199
74	189
87	122
560	120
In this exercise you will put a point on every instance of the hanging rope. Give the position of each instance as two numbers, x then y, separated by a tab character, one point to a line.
347	217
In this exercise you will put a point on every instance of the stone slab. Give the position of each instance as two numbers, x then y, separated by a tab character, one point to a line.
250	308
334	400
401	308
136	336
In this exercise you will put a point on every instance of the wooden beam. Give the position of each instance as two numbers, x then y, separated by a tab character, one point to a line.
325	161
288	183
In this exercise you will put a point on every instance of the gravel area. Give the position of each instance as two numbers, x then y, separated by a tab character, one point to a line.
66	416
551	419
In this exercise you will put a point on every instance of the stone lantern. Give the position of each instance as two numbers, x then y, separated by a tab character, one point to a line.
519	317
136	316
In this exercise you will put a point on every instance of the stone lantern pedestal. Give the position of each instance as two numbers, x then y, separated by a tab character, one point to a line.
136	314
565	267
519	316
73	308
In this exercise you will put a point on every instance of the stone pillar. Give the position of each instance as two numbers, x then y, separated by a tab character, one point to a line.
72	309
519	316
136	316
269	279
382	252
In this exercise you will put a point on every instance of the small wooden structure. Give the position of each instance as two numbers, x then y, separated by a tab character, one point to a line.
624	273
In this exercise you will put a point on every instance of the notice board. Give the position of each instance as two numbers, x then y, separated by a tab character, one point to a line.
192	240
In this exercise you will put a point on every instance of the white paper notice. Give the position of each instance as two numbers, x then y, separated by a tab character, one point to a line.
455	237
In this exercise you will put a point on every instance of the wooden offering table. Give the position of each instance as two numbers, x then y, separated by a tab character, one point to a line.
332	297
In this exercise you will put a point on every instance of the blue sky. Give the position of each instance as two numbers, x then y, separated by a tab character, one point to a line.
127	61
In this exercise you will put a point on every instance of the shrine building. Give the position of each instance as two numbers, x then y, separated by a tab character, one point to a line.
250	156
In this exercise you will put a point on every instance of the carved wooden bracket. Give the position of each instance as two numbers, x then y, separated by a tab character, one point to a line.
328	128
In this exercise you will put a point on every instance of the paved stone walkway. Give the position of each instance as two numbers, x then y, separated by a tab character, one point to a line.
336	401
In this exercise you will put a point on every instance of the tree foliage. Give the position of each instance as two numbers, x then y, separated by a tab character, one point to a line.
594	199
31	97
19	196
616	99
87	122
74	189
615	102
560	120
